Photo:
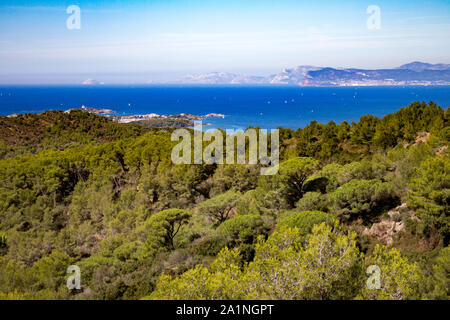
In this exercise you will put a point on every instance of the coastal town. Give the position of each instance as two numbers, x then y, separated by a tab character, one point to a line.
183	117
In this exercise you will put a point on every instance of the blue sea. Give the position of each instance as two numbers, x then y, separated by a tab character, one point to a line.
263	106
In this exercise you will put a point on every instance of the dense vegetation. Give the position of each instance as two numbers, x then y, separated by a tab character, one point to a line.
30	133
164	123
78	189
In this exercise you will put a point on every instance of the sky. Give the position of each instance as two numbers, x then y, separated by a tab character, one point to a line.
141	41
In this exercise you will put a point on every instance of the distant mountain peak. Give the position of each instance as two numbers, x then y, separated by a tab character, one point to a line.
221	78
419	66
414	73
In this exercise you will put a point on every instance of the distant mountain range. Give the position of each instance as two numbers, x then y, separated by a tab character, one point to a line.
415	73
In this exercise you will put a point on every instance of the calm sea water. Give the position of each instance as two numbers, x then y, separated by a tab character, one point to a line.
267	107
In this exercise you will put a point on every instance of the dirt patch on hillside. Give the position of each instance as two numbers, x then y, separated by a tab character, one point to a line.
422	137
386	230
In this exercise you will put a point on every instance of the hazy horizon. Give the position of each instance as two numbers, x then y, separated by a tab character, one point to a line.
119	42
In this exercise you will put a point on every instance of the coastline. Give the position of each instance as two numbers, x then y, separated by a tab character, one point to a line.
234	107
150	119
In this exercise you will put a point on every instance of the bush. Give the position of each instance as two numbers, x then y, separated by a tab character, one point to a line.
363	170
290	180
242	229
163	227
219	208
430	193
130	251
330	172
312	201
210	244
362	197
306	220
237	177
445	134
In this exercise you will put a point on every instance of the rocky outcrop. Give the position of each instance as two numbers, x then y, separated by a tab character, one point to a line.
386	230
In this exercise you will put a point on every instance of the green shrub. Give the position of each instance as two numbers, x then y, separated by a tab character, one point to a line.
129	251
210	244
330	172
248	203
163	227
289	183
430	193
312	201
445	134
219	208
358	198
363	170
243	229
306	220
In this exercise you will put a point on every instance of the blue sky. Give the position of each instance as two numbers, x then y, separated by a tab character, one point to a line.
138	41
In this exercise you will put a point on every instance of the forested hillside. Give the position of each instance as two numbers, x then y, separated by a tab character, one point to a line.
31	133
80	190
